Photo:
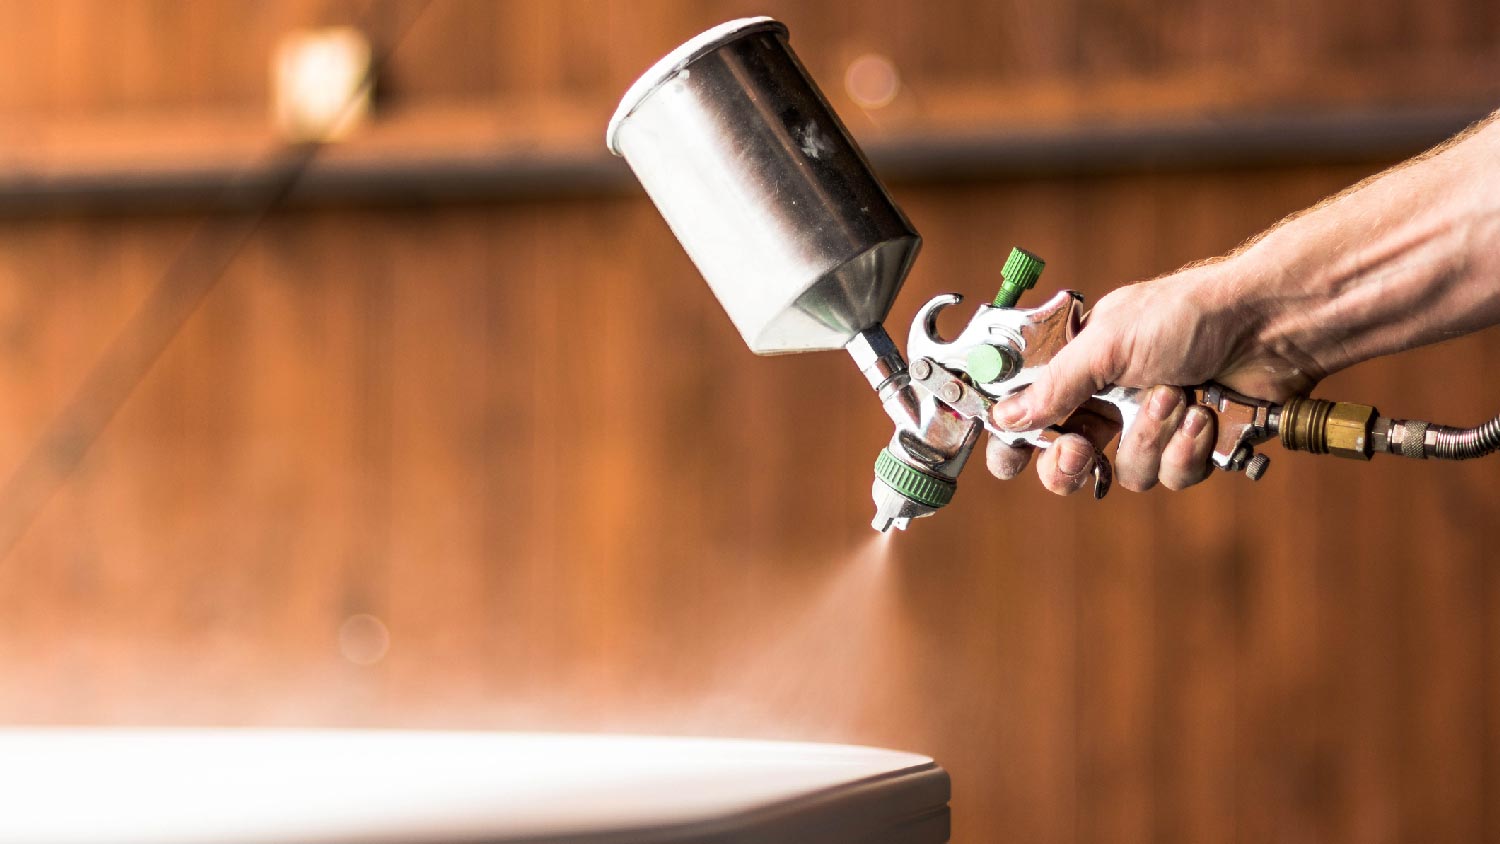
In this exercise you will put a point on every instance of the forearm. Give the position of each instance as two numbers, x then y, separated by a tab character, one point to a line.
1409	258
1406	258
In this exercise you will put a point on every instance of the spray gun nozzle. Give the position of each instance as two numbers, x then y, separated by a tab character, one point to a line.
916	473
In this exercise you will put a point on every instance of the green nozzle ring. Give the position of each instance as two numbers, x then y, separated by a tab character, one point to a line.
916	485
1019	275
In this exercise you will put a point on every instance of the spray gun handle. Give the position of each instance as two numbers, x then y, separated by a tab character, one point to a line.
943	399
1004	349
970	403
1243	422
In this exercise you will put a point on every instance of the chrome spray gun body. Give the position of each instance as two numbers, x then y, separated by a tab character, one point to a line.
806	251
941	401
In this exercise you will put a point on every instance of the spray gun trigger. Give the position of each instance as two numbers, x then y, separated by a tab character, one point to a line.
970	403
1104	475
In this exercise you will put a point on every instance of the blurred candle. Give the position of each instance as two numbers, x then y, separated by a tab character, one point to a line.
321	83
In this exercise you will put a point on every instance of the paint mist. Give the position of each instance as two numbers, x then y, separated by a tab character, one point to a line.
811	666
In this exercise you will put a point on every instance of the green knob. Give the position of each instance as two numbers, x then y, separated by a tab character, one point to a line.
1019	275
916	485
985	363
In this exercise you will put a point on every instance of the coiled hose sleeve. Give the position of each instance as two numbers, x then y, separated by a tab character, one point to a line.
1465	443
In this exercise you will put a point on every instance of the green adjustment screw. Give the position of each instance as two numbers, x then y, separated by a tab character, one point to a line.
1019	275
987	363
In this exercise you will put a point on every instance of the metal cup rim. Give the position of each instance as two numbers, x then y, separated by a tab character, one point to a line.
673	63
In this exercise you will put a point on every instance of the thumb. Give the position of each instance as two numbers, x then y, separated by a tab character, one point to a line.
1065	383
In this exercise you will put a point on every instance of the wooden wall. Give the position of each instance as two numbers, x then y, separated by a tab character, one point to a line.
520	433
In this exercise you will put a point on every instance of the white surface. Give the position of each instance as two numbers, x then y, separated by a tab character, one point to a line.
168	786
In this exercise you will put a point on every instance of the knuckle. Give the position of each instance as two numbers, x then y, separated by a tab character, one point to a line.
1203	442
1047	395
1068	379
1184	464
1143	433
1136	464
1106	363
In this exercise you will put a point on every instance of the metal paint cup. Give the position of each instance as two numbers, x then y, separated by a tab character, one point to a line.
765	189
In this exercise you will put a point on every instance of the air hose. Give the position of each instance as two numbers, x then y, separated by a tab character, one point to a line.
1465	443
1359	431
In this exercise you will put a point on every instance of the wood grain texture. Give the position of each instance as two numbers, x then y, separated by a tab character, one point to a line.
524	437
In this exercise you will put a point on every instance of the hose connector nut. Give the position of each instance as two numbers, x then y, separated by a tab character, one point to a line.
1348	430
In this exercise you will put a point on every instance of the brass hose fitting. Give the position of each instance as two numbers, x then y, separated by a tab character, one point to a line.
1340	428
1358	431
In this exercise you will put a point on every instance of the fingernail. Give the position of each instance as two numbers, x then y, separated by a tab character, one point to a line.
1195	421
1011	416
1163	401
1073	459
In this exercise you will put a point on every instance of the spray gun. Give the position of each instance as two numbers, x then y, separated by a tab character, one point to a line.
805	250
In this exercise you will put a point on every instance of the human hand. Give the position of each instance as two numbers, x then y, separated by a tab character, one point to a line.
1342	282
1184	329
